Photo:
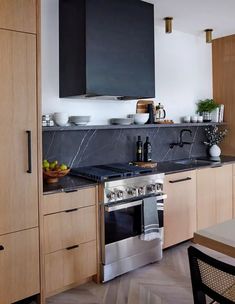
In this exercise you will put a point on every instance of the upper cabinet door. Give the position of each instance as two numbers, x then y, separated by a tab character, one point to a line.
18	15
18	188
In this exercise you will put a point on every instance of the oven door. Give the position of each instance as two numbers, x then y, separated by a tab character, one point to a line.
122	221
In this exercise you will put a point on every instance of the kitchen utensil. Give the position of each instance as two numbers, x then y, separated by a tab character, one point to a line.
194	118
151	114
160	113
141	118
166	122
142	106
61	118
145	164
121	121
186	119
80	120
200	119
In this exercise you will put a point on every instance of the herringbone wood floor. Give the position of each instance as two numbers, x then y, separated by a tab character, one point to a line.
165	282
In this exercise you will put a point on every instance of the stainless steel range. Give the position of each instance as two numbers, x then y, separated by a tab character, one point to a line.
121	222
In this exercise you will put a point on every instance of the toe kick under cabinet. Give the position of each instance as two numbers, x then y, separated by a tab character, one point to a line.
70	239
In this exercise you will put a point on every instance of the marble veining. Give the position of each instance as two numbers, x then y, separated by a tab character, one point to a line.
102	146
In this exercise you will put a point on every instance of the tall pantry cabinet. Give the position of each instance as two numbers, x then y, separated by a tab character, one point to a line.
19	191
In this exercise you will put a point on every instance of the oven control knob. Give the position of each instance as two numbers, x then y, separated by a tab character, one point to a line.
151	188
159	187
111	195
119	194
132	191
141	191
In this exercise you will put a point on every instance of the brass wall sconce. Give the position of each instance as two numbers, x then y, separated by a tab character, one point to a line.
209	35
168	24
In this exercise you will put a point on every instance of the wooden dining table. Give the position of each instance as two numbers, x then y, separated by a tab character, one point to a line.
220	237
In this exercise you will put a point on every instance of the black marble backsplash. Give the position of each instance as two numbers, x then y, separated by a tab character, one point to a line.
96	147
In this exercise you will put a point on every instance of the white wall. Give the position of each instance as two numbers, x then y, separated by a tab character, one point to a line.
183	74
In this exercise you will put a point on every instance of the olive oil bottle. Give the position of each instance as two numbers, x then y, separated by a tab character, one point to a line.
139	150
147	150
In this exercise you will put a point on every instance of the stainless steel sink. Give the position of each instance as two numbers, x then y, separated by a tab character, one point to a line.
194	162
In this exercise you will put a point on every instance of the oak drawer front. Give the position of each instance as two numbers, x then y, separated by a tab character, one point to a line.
18	15
53	203
19	264
64	229
66	267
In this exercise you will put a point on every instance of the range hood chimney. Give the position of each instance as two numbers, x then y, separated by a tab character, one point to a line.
107	48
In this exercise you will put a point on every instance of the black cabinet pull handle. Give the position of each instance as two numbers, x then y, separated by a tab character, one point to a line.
71	210
70	191
1	247
72	247
180	180
29	151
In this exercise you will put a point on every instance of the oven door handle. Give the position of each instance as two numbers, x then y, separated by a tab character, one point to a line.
122	206
161	197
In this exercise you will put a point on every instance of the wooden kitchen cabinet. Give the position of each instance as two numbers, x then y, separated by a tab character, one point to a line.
19	265
70	233
214	196
67	267
64	229
179	207
20	142
19	189
18	15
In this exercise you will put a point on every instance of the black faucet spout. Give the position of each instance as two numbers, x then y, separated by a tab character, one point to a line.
181	143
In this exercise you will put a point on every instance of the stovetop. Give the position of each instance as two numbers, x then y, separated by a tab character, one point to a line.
111	171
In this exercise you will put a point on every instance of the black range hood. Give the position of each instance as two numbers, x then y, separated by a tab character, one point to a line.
107	48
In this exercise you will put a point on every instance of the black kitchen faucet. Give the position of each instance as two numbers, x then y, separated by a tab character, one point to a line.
181	143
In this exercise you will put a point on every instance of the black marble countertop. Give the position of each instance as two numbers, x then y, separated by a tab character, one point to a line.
67	184
70	183
174	166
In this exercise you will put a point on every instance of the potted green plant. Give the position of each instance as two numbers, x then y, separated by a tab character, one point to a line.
205	107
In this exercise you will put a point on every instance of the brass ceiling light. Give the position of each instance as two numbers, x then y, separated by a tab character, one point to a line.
209	35
168	24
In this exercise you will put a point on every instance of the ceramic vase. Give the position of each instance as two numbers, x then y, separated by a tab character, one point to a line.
215	151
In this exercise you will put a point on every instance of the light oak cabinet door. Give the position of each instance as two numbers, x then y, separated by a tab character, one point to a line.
72	227
206	196
179	207
224	193
214	196
18	15
67	267
19	264
18	189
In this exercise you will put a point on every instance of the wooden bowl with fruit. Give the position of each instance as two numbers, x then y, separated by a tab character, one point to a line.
53	171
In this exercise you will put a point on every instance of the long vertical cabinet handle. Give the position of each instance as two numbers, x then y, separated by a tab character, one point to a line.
29	151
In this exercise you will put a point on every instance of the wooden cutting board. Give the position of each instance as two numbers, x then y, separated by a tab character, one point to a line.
150	165
142	106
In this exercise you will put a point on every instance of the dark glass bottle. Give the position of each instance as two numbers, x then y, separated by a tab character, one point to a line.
147	150
139	150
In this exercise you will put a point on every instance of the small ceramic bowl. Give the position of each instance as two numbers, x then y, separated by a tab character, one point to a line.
141	118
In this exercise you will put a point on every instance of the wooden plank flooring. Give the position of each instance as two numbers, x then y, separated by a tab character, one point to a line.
165	282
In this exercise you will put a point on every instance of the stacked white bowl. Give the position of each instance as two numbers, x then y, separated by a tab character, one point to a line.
61	118
80	120
141	118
